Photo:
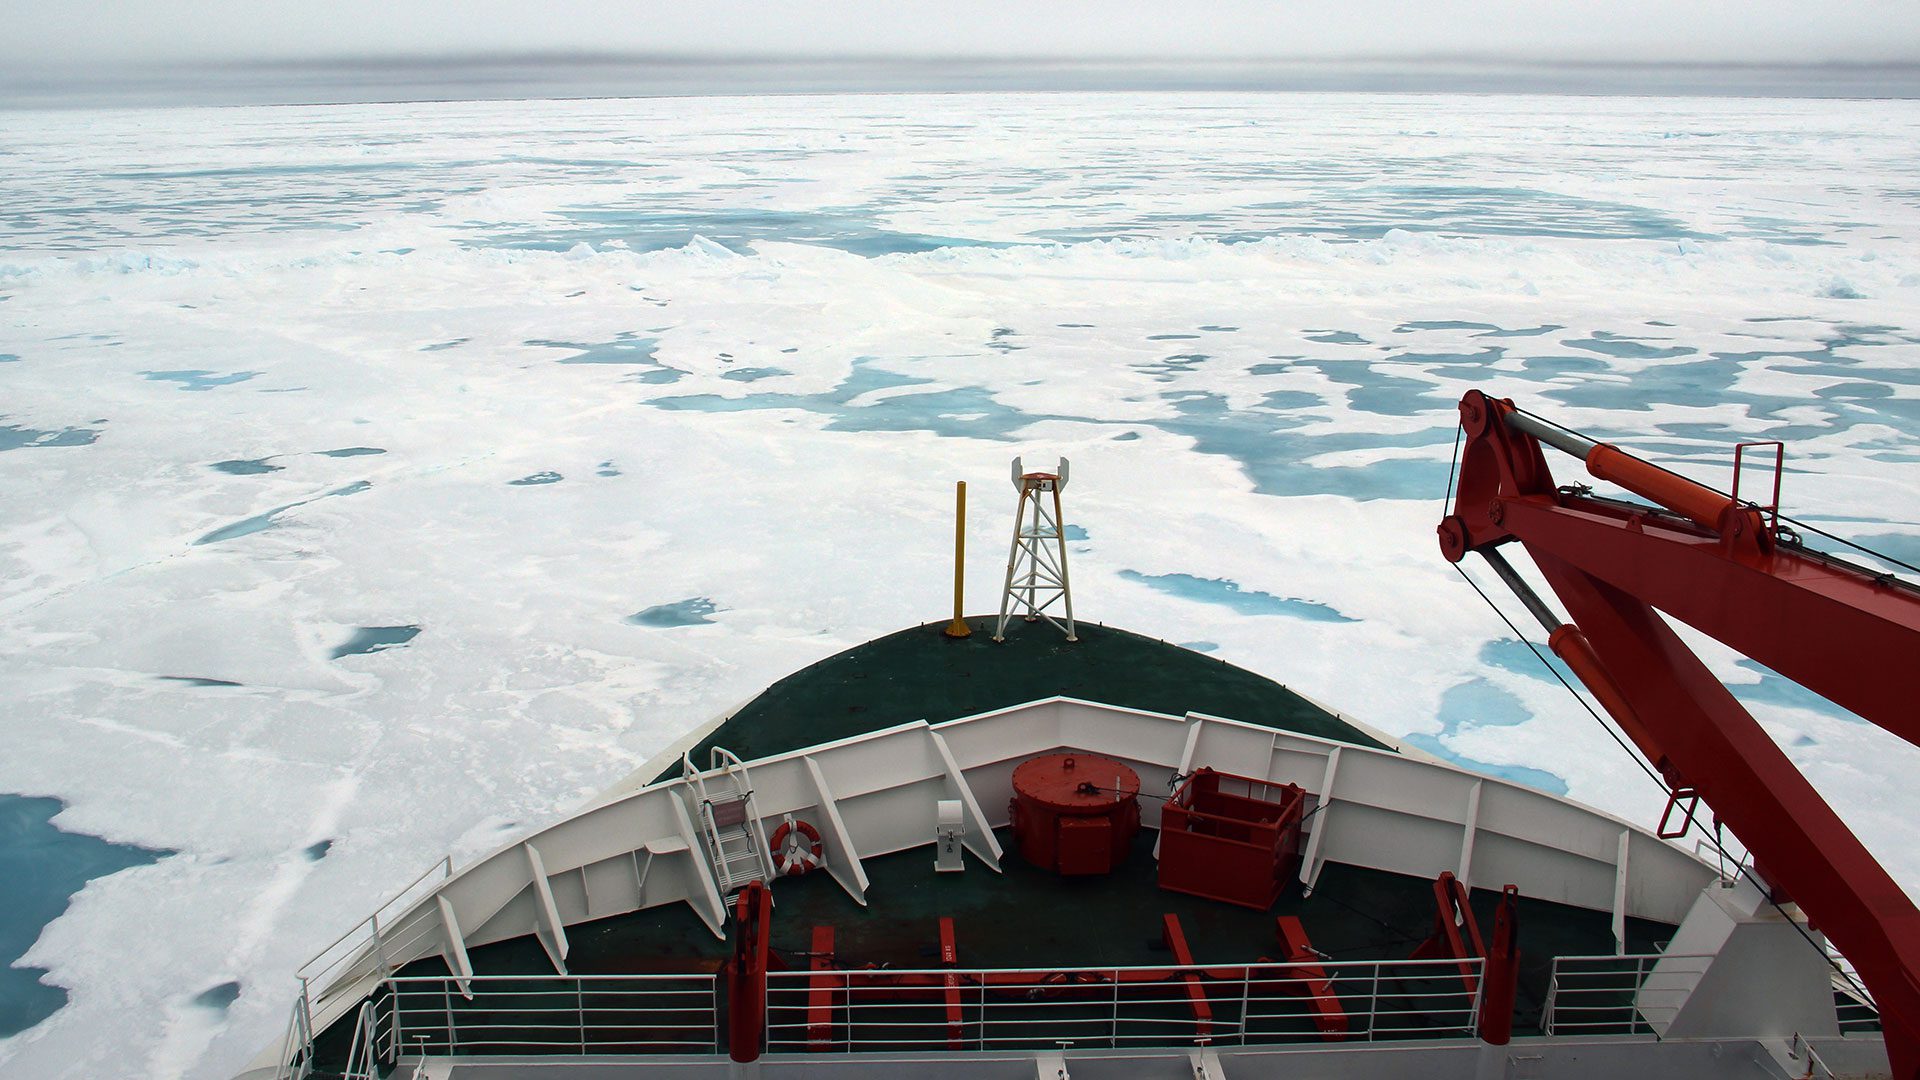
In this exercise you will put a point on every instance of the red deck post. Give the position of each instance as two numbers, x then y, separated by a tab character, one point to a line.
1451	915
1501	983
1309	979
1196	993
949	957
820	991
747	974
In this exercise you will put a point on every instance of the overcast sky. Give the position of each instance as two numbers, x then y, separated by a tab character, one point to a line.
96	31
72	41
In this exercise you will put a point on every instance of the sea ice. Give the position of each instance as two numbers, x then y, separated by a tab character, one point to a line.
760	339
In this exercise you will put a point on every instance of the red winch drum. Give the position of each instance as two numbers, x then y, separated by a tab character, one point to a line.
1075	813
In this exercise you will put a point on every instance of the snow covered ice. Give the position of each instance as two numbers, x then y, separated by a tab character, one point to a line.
381	481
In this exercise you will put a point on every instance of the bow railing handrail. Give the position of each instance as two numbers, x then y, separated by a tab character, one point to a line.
1619	994
511	1014
444	864
326	967
1122	1006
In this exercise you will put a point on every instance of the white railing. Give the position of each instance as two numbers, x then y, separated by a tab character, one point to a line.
369	939
1120	1007
361	1055
1852	1002
1636	994
296	1050
546	1014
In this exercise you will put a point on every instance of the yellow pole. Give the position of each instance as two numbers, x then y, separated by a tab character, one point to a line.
958	628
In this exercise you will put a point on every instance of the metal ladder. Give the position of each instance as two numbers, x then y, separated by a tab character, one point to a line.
729	821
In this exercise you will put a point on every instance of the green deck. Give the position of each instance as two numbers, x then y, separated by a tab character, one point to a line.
920	674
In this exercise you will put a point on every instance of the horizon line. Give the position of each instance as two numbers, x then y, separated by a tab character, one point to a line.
716	58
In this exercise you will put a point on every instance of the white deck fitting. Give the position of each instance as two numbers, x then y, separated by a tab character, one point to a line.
877	793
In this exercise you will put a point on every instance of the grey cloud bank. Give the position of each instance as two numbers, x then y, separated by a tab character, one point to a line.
86	33
315	81
222	51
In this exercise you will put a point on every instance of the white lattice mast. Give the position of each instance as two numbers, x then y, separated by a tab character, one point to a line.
1037	560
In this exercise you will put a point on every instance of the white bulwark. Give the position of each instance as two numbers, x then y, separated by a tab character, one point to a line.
1738	972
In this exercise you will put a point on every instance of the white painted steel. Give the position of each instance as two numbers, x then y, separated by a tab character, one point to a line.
1621	861
453	946
1769	975
842	858
876	793
547	925
361	1053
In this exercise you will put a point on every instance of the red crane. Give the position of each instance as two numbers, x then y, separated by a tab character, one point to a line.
1726	568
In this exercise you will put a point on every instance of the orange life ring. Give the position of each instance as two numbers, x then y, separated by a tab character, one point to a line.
796	848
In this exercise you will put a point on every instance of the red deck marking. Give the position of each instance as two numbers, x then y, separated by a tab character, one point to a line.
820	992
949	956
1308	979
1196	993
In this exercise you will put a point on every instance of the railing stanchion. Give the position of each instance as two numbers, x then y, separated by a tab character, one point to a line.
980	1022
1246	998
1478	1000
1546	1010
380	946
1373	1002
1642	970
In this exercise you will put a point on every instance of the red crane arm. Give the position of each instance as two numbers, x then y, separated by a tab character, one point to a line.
1847	634
1847	637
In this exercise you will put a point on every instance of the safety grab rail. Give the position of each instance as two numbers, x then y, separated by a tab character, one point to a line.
361	1063
535	1014
1631	994
1853	1005
364	936
1120	1007
296	1049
